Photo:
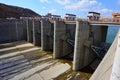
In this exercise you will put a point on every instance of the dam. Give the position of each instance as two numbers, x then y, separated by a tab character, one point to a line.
78	40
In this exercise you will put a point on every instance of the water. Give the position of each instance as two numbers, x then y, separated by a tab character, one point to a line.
112	32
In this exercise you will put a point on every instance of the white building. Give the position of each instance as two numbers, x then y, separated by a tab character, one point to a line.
51	17
55	17
70	16
95	16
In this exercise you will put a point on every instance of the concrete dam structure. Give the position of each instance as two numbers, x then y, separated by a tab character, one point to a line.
64	39
80	40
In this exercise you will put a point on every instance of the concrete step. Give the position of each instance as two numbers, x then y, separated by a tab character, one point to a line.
12	44
32	64
12	63
13	73
22	70
34	77
11	68
32	71
8	60
54	71
14	50
17	46
18	53
46	57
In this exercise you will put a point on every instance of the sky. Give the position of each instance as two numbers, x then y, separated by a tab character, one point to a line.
61	7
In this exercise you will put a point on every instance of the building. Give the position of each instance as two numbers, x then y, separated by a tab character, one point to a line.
70	17
116	15
51	17
95	16
55	17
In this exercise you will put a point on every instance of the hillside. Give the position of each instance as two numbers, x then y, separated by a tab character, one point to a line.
7	11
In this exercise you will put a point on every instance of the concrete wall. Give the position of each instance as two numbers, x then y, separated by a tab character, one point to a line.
30	31
61	33
70	31
12	30
85	36
36	32
100	33
82	52
47	33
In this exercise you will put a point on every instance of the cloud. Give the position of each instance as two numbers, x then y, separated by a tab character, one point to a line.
53	11
118	2
106	12
83	5
43	7
43	1
63	2
89	5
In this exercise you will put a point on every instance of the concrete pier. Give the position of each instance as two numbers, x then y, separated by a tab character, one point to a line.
47	30
61	47
59	31
30	31
36	32
81	53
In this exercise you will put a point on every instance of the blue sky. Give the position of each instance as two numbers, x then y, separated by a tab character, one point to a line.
61	7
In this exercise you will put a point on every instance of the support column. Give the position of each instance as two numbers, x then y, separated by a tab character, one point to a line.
60	47
29	31
46	35
36	33
82	34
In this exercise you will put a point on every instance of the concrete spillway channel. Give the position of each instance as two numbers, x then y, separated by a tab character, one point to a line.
71	41
63	47
24	61
57	37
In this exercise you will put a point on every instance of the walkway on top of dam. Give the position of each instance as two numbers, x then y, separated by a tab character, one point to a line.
102	22
97	23
23	61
